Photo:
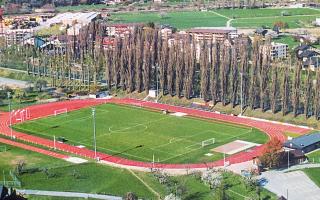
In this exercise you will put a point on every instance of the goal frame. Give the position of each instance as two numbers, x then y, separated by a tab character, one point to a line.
208	142
60	111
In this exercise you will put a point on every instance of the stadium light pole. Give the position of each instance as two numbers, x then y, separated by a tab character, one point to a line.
94	132
10	114
241	91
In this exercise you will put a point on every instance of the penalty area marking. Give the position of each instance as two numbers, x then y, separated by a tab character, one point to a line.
127	128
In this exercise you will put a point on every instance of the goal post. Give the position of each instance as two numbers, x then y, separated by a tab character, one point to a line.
208	142
60	111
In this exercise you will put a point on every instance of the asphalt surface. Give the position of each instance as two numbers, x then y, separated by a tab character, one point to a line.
13	82
295	185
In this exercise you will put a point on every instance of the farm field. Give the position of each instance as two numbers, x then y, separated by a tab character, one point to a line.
265	12
293	21
180	20
140	134
242	18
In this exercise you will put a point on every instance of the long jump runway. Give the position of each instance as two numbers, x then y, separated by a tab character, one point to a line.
273	130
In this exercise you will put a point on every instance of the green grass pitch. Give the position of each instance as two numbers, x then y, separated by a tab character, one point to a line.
120	129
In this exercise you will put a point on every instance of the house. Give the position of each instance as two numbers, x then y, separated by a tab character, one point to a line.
305	52
74	21
261	31
121	30
311	63
279	50
305	143
17	36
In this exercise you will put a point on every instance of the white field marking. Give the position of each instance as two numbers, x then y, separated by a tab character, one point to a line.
198	143
64	122
143	124
178	155
157	150
236	136
127	143
185	138
127	128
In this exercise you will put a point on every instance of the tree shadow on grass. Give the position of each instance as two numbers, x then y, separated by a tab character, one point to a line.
195	196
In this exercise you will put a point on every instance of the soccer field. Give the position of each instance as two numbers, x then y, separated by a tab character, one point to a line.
120	129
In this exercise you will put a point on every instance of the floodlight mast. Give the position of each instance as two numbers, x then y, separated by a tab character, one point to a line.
94	132
241	106
10	114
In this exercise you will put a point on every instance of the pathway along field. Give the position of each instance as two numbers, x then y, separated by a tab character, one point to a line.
273	130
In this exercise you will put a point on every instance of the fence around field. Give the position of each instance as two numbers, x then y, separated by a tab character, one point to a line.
12	182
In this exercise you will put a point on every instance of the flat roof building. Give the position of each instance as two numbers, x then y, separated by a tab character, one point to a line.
217	33
279	50
305	143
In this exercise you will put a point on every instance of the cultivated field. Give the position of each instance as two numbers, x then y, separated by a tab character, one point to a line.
267	12
122	129
180	20
242	18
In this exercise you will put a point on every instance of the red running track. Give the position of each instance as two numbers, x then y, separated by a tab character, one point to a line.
273	130
32	148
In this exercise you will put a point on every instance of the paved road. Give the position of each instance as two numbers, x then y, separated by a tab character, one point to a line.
296	184
68	194
13	82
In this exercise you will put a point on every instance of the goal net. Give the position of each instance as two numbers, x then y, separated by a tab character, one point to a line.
207	142
24	114
60	111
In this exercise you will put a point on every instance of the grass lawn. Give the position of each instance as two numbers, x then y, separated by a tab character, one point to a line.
102	179
313	174
180	20
88	178
120	129
13	155
265	12
314	156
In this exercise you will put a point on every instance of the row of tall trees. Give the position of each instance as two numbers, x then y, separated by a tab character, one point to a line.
235	72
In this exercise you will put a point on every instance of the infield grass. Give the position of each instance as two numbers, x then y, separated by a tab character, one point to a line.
121	129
